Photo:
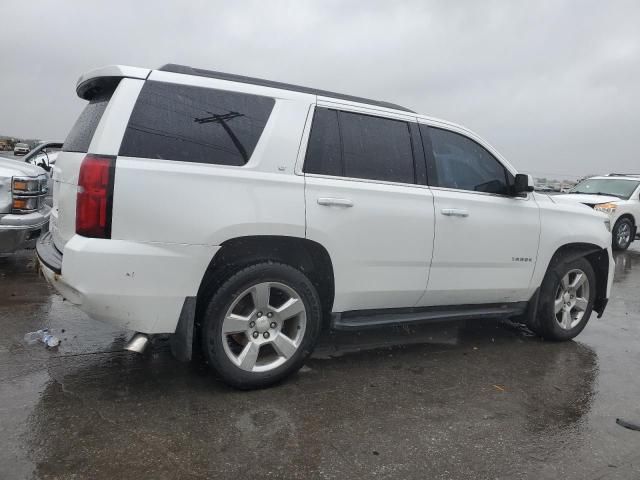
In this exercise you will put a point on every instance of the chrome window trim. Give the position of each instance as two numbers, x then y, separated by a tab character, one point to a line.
365	180
473	192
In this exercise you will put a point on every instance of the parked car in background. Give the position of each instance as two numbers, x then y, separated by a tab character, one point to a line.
616	195
21	149
246	215
24	214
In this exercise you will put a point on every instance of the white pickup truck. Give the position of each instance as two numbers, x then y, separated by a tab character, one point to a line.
24	214
245	215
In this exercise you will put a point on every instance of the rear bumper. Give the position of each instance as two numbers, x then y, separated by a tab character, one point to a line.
21	231
132	285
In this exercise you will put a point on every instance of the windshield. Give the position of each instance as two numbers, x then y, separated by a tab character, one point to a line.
21	145
616	187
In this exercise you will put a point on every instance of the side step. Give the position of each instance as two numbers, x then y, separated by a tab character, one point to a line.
361	319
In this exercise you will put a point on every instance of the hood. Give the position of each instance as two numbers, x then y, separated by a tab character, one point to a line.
11	168
8	170
585	198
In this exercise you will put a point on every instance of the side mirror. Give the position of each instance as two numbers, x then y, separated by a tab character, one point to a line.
523	184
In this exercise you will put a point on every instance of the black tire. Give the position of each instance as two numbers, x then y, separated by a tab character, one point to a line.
546	324
223	299
620	241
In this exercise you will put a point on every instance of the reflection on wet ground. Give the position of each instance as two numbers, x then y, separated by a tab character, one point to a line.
479	399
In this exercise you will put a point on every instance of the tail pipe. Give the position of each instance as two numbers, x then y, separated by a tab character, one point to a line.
138	343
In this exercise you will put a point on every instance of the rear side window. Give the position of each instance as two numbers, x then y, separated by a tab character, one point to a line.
195	124
463	164
360	146
80	136
376	148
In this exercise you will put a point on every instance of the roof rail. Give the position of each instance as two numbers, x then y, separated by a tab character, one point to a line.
170	67
623	174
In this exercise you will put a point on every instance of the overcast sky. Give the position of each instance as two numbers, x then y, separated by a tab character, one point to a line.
554	86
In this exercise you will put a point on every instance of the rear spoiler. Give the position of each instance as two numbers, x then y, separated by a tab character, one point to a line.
95	81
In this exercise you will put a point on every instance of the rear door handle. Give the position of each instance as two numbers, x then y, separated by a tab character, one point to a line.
455	212
335	202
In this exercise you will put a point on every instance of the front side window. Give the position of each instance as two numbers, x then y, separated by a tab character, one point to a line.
360	146
463	164
195	124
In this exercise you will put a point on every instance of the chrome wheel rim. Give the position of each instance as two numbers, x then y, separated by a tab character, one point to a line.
572	298
264	327
623	234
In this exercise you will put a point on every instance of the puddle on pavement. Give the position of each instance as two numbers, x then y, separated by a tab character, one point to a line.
425	398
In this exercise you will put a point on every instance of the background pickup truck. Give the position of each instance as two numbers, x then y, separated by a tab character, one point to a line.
24	214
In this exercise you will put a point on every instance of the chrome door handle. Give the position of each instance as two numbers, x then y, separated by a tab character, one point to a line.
335	202
454	212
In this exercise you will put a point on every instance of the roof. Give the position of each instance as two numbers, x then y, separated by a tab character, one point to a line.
170	67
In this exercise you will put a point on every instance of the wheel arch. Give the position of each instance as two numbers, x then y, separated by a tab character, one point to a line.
629	216
310	257
597	256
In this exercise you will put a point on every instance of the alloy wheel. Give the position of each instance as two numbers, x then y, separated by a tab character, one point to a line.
572	298
623	234
264	326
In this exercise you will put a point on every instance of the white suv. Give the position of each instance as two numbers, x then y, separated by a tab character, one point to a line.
245	215
617	195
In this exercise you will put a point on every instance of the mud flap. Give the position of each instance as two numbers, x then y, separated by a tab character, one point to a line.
182	340
530	317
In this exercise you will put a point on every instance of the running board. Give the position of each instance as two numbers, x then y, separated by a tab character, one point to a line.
361	319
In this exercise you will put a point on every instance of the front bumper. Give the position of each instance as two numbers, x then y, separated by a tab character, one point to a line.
133	285
21	231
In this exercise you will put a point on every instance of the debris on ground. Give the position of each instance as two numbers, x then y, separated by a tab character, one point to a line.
629	425
43	336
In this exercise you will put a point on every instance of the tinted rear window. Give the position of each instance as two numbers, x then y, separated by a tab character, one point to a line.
195	124
376	148
80	136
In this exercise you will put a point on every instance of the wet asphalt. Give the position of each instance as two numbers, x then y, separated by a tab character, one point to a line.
475	399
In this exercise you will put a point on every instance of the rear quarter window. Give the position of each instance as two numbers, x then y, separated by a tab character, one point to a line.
80	136
195	124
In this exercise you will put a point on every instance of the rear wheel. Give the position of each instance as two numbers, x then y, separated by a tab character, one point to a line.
261	325
622	232
566	300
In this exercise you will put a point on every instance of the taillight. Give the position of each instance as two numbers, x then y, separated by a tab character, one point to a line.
95	196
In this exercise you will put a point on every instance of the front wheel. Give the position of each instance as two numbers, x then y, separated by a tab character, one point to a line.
261	325
622	232
566	300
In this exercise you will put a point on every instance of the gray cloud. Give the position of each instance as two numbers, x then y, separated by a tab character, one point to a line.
553	85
